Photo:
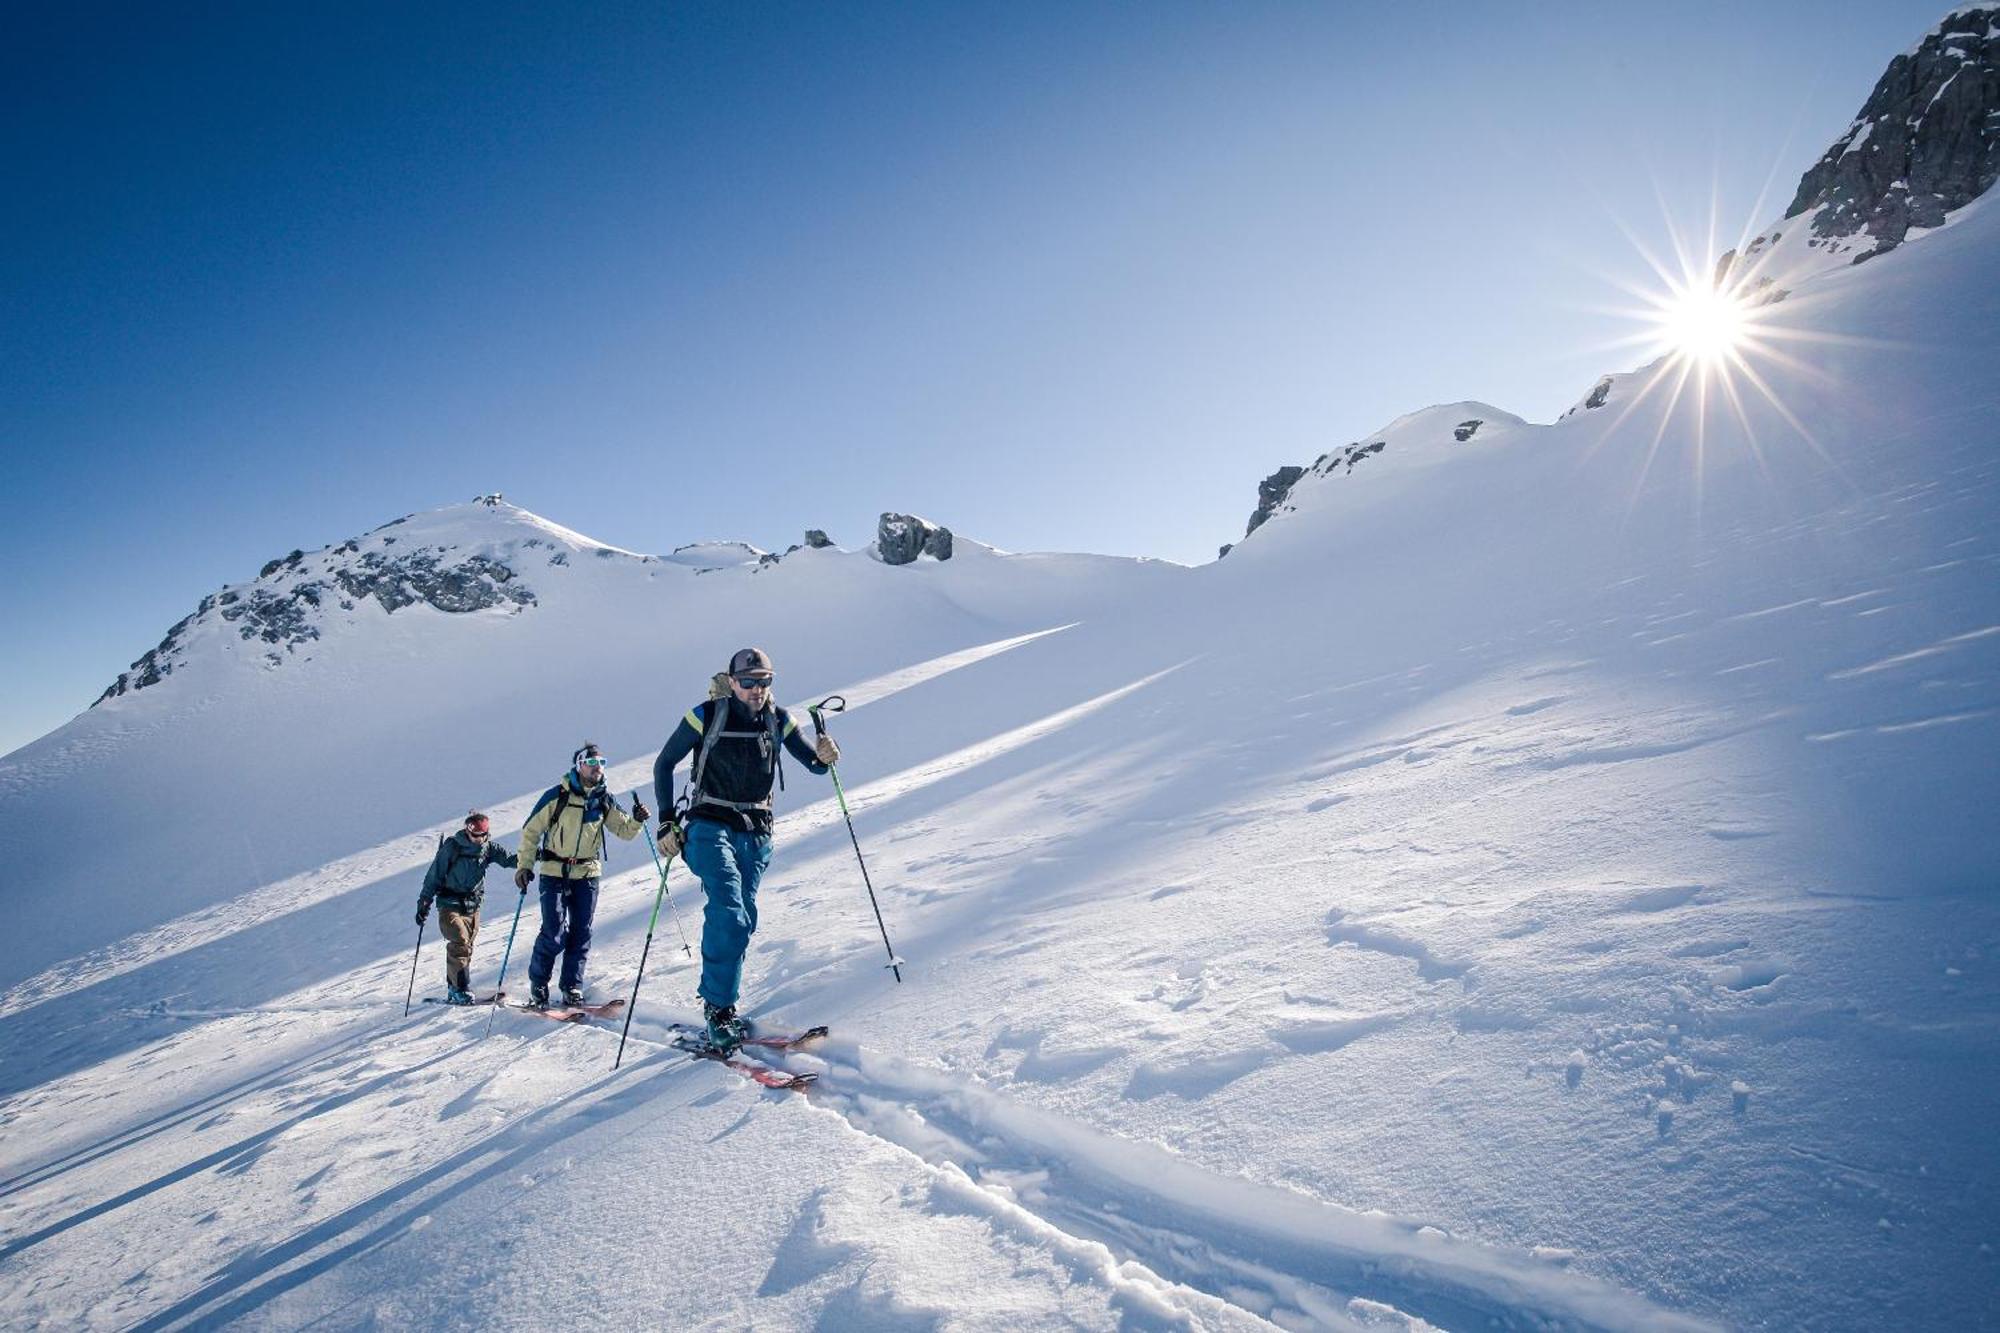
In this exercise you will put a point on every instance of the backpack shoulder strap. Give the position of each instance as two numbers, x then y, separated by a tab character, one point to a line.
777	745
711	731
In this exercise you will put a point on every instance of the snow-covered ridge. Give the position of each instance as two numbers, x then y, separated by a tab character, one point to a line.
1923	149
1412	444
456	560
481	556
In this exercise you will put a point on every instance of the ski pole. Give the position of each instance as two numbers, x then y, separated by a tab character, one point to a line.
647	949
508	952
834	703
411	998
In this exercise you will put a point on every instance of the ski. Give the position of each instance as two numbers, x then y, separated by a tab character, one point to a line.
476	1000
770	1041
555	1014
574	1013
755	1070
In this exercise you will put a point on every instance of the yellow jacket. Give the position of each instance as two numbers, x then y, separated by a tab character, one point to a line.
564	835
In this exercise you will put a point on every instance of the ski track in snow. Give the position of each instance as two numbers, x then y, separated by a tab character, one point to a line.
1279	1251
1171	1244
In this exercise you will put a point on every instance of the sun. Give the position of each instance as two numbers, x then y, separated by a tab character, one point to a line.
1704	323
1723	343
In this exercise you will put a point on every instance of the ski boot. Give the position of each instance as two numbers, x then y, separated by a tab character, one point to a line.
453	995
538	995
725	1030
573	997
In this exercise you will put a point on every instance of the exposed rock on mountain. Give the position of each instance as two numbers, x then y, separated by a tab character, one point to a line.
1271	493
281	607
901	538
1927	140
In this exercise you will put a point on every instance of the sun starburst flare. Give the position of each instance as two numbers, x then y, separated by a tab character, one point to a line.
1724	340
1705	323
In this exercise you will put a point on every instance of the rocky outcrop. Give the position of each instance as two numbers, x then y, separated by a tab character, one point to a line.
430	576
283	608
1272	492
1276	489
1927	140
817	540
901	538
1465	430
1347	457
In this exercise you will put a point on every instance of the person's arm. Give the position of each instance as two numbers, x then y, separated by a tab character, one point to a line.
800	749
615	819
678	747
495	852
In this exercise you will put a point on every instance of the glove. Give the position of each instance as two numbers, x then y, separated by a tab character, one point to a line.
639	810
670	840
521	878
827	752
423	914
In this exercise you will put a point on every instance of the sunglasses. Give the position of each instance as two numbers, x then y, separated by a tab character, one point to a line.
755	682
590	762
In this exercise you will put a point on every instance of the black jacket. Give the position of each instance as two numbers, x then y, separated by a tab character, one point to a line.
742	769
457	877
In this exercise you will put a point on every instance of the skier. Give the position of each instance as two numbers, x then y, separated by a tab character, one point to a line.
565	834
726	837
457	880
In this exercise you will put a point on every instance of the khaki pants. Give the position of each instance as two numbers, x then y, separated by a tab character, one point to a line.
459	929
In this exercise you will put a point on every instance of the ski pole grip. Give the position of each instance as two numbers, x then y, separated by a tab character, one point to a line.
833	703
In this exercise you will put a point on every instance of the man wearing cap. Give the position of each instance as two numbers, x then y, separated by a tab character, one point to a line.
457	880
565	834
725	836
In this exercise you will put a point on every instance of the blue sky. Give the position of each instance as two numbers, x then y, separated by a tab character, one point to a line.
1061	276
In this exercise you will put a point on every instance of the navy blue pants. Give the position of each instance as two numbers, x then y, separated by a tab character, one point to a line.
729	863
567	907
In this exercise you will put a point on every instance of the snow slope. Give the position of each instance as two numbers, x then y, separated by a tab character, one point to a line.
1544	879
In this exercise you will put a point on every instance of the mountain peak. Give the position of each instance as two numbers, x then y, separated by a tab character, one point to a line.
1927	140
456	559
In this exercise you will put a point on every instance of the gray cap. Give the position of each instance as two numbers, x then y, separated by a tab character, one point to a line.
751	662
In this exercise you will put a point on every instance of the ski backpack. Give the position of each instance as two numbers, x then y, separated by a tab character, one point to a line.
769	742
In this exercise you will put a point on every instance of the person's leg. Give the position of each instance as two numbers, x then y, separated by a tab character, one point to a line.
542	962
753	853
576	939
725	932
457	929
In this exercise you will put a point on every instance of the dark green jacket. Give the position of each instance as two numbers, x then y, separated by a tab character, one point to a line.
457	877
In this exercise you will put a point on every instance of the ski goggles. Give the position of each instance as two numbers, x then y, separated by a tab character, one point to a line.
755	682
478	833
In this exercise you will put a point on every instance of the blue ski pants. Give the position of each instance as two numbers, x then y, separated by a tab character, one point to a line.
729	863
567	907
